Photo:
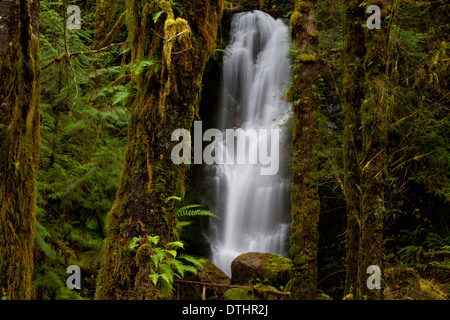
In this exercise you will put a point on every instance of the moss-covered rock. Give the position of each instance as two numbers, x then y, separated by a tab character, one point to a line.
406	284
257	292
207	273
253	267
240	294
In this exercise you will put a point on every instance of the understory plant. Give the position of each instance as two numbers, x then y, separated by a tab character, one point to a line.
168	263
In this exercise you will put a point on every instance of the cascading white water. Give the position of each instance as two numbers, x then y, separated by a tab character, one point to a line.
254	208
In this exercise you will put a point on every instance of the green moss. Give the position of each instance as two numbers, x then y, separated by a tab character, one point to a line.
143	253
297	20
20	153
240	294
302	6
277	263
306	58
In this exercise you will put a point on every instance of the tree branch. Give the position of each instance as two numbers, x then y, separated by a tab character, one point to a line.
69	55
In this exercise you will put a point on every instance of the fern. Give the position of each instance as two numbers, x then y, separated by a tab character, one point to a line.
156	16
168	264
191	210
434	240
190	259
175	7
144	64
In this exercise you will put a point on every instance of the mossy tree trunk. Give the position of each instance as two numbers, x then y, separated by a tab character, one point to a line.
353	96
366	112
374	128
19	141
304	96
168	94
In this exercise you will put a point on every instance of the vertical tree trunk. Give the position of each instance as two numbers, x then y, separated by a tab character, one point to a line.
19	141
304	96
168	93
374	123
353	96
365	137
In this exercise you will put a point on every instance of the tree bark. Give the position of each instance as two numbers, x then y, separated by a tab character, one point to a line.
168	93
19	140
366	118
353	96
374	128
305	204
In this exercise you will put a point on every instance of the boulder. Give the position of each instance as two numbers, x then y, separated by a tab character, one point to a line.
257	267
207	273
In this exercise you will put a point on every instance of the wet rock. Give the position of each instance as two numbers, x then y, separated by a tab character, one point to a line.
254	267
207	273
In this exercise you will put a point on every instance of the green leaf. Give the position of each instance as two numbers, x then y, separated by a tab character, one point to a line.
191	269
186	211
179	266
172	252
134	243
166	273
176	244
155	260
154	239
176	7
120	98
154	278
157	15
143	64
184	223
191	259
173	197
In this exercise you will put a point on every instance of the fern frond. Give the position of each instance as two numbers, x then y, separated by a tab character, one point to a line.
145	63
191	269
176	244
154	277
183	224
179	266
190	259
192	213
134	243
154	239
173	197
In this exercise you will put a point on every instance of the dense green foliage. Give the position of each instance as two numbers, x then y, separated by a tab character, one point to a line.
83	137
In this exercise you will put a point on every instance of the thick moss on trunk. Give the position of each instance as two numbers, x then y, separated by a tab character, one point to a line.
19	141
374	128
167	99
353	96
304	95
366	115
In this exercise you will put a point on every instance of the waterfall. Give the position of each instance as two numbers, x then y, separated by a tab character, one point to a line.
254	208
